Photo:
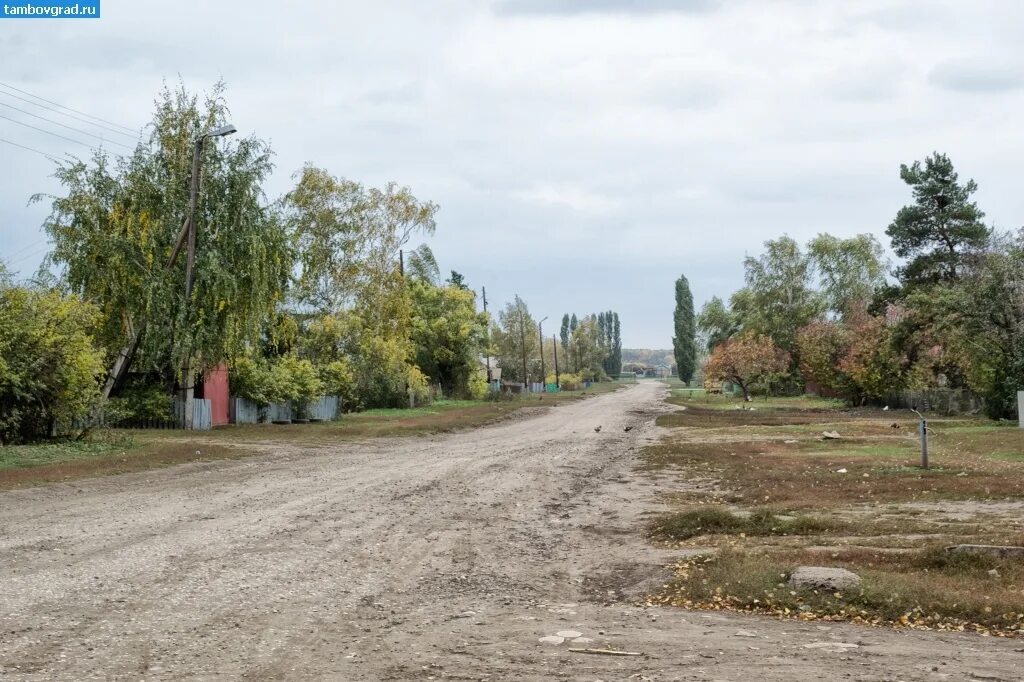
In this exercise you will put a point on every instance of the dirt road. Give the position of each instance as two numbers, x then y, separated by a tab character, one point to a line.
446	557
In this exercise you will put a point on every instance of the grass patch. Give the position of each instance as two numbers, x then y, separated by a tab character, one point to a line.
117	451
921	590
712	520
873	511
98	445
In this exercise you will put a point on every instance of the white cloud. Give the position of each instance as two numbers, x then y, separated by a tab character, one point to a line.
584	153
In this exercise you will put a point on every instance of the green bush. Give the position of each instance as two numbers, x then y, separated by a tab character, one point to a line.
338	378
285	379
50	365
141	403
569	382
252	380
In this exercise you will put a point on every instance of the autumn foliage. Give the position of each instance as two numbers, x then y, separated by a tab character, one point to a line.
746	359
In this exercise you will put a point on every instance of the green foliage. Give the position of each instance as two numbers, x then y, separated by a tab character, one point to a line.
251	379
851	271
567	382
873	362
285	379
822	346
942	228
385	377
780	299
116	222
348	237
716	322
50	363
457	280
684	342
516	340
447	333
720	521
142	403
423	266
338	378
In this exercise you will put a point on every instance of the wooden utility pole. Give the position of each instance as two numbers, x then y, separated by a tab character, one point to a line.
522	341
190	262
543	374
554	345
487	337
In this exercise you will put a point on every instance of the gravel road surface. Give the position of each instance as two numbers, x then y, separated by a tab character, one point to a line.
445	558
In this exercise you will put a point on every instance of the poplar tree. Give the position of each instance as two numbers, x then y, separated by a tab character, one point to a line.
684	343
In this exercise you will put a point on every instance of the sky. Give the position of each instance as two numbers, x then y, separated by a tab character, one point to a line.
584	153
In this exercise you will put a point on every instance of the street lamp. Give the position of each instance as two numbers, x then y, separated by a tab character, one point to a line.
543	375
190	260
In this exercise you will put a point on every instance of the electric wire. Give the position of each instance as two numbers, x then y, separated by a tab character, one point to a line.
71	116
30	149
58	104
77	130
50	132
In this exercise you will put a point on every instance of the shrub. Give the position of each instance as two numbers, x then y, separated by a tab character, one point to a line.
478	387
142	403
50	364
338	378
251	379
570	382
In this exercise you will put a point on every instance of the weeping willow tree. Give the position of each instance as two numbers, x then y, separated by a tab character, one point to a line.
117	221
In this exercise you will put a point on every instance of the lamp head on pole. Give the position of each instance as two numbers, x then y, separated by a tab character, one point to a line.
226	129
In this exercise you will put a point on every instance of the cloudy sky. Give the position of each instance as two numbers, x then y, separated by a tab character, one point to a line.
584	152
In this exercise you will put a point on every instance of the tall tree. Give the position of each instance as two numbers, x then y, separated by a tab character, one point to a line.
850	271
942	228
423	265
447	332
348	237
564	335
516	340
573	324
116	225
616	346
684	343
457	280
716	322
781	299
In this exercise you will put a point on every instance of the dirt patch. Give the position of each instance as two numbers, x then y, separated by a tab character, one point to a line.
873	510
448	556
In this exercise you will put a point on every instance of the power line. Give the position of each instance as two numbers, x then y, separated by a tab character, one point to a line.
77	130
33	254
51	157
71	116
49	132
22	250
58	104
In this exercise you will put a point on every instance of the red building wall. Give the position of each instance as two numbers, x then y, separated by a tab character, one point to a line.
216	389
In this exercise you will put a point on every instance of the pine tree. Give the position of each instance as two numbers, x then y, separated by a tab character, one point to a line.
684	343
939	230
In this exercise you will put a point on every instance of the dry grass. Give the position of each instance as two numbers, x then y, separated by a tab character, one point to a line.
119	451
922	590
870	508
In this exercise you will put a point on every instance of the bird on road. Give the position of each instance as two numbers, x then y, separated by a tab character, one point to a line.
597	429
628	429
